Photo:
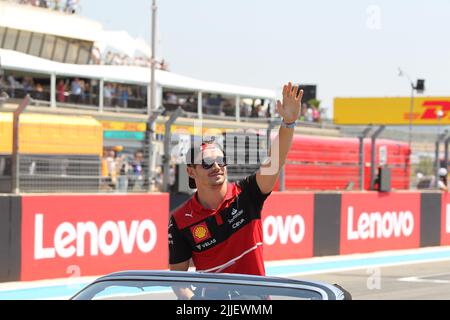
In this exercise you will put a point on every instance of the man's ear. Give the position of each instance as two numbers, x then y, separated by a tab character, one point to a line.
190	171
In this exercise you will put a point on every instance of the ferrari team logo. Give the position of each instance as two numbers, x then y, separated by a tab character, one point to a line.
200	232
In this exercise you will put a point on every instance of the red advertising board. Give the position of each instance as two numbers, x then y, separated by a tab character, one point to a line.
288	225
93	234
445	220
379	221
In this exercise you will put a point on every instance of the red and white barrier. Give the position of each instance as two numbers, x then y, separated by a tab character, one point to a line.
379	221
288	225
93	234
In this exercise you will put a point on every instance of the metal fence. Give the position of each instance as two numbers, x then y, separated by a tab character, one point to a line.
314	162
425	157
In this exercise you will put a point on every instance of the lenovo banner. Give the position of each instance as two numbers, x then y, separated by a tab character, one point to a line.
93	234
287	220
379	221
445	220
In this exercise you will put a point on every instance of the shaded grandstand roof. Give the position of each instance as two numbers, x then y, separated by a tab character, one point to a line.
40	20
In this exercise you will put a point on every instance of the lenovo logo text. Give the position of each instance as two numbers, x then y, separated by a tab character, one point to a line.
283	229
70	239
379	225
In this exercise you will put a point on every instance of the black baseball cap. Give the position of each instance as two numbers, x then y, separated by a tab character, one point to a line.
193	153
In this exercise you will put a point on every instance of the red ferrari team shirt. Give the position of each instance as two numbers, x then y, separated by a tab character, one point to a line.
228	239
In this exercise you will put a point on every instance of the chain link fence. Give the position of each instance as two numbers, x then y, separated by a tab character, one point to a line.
422	160
79	161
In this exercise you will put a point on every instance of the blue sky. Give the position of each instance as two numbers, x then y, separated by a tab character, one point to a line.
347	47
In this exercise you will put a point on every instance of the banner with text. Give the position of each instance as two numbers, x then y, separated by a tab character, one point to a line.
288	225
391	111
81	235
379	221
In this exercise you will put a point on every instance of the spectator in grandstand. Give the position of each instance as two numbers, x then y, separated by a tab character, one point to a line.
72	6
107	94
58	5
76	90
2	82
158	178
12	84
61	91
171	98
419	178
124	92
303	112
42	3
109	58
111	166
137	172
309	114
269	111
123	168
245	109
220	227
255	111
228	108
82	84
315	114
87	93
170	102
38	92
27	84
442	183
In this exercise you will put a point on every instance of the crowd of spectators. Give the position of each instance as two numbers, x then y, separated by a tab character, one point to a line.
424	181
215	104
78	91
20	87
310	113
120	59
122	171
74	91
68	6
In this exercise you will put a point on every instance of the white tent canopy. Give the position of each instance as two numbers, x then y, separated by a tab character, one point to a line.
122	42
12	60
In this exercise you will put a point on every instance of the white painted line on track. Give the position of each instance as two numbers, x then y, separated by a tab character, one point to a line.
423	279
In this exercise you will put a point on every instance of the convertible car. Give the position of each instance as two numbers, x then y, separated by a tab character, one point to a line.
163	285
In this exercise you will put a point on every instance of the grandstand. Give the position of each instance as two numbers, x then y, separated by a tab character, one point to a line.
54	64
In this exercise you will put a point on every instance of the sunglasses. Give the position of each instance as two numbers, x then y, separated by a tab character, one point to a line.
208	163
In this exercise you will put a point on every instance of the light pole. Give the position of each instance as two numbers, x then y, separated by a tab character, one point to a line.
419	87
153	59
151	108
411	107
439	115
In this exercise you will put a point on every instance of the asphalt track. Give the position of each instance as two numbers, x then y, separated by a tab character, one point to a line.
396	275
424	281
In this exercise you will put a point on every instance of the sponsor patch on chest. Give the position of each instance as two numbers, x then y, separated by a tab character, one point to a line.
200	232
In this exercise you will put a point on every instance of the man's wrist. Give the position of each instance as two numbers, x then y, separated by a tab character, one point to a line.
288	124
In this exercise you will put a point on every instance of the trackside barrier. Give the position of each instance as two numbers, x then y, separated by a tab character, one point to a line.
431	215
81	235
10	231
288	225
376	221
444	222
353	222
62	236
